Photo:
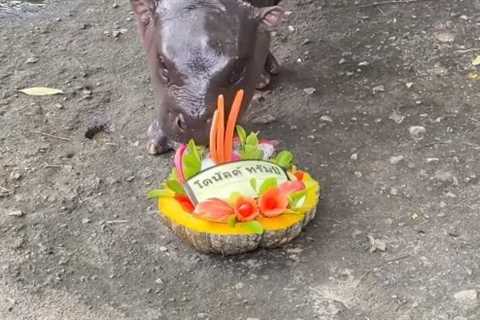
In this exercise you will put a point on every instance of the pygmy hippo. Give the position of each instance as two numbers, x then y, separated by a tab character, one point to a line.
198	49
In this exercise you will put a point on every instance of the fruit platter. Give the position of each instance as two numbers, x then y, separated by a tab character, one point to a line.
237	195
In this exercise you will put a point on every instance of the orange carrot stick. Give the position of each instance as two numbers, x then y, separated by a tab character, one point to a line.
213	137
232	120
221	129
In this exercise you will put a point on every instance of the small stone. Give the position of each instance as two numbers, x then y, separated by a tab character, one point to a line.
358	174
159	281
31	60
239	286
309	91
59	106
444	36
417	132
264	119
16	213
202	315
163	249
377	244
409	85
354	156
15	175
467	298
393	191
86	220
291	28
116	33
306	41
396	159
445	177
326	118
342	61
363	64
397	117
130	179
115	5
377	89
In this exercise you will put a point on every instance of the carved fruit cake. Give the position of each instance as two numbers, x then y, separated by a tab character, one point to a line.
239	195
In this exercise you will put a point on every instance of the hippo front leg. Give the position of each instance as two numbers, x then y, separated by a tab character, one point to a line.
272	68
158	142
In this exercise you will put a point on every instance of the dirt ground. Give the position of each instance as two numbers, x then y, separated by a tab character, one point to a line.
391	132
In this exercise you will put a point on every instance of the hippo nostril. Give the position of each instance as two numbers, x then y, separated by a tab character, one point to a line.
180	122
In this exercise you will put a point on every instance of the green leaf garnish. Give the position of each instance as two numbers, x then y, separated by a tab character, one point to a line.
252	139
176	187
158	193
192	162
267	185
242	135
255	226
295	198
232	221
284	159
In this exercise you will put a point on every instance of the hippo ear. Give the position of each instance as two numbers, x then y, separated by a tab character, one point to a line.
270	17
143	10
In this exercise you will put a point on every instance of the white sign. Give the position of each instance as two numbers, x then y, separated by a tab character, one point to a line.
223	180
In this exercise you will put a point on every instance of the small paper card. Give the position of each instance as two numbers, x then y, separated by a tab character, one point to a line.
223	180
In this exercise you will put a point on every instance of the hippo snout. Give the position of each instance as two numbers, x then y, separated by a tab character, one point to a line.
185	127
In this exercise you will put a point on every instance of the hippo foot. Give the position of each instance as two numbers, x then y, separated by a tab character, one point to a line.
158	142
271	65
263	81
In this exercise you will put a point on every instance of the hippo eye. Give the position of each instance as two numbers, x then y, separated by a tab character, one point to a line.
238	71
162	68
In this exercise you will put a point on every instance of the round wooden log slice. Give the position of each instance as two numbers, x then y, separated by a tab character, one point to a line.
237	244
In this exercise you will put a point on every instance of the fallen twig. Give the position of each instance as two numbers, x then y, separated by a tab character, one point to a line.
5	189
467	50
116	221
383	3
53	165
51	135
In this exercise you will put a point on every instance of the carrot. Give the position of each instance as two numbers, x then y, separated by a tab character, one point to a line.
232	120
221	129
213	137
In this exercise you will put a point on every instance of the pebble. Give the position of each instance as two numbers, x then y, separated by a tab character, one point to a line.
467	297
309	91
396	159
444	36
393	191
409	85
115	5
264	119
159	281
326	118
445	177
358	174
397	117
163	249
31	60
377	244
354	156
86	220
16	213
202	315
376	89
130	179
342	61
417	132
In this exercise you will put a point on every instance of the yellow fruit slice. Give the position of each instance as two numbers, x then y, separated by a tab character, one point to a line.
171	209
